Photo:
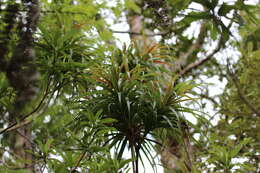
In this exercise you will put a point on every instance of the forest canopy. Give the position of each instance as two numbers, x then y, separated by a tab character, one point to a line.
98	86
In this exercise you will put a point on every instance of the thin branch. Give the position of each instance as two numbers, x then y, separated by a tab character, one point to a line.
23	121
187	147
206	96
78	162
198	63
140	33
182	61
241	94
198	44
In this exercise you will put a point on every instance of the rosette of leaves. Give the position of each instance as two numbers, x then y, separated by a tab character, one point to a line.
130	91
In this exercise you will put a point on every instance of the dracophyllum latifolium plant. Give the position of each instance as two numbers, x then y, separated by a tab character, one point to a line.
131	90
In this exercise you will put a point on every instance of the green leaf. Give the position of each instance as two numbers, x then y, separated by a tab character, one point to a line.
108	120
47	146
234	152
130	4
225	9
122	149
194	16
106	34
214	3
204	3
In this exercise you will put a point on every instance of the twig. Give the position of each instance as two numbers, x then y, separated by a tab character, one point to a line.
78	162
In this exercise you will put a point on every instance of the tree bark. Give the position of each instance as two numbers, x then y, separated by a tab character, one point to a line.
176	154
5	34
23	77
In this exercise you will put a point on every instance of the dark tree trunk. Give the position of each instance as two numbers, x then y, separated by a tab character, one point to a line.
5	34
23	77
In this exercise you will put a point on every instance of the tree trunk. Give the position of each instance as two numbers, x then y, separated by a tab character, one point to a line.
176	154
23	77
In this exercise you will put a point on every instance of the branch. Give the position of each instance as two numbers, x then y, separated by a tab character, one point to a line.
205	96
241	94
24	120
78	162
199	42
140	33
195	65
182	61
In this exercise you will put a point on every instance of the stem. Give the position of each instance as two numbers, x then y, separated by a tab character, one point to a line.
133	156
136	160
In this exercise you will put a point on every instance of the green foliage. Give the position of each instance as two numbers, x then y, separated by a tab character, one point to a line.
233	143
222	156
95	101
132	92
130	4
